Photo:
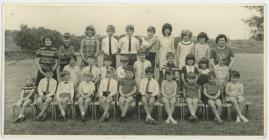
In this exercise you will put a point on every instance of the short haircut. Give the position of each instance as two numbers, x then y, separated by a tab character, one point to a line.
141	51
110	71
169	72
202	35
222	57
149	70
63	73
72	56
235	73
204	60
124	58
49	69
186	32
211	73
107	58
221	36
129	27
167	26
170	54
48	35
90	27
67	35
190	56
110	28
129	68
191	75
151	29
91	56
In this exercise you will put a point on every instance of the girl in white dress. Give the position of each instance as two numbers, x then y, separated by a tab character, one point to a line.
184	47
166	44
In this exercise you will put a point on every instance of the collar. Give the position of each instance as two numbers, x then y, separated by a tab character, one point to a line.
186	43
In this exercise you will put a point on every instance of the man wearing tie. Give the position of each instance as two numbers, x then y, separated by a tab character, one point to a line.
46	90
149	89
129	44
110	44
107	89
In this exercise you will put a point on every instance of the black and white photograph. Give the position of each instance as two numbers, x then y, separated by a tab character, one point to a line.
169	69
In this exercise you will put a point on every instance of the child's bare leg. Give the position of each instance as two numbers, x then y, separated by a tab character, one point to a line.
129	100
167	106
172	105
151	104
19	104
107	106
86	103
241	101
145	104
60	104
212	105
236	107
46	105
219	106
25	104
40	103
81	107
102	101
190	106
195	105
121	103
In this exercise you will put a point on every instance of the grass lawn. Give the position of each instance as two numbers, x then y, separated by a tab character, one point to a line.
250	66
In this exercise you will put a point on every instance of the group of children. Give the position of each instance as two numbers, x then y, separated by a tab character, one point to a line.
186	69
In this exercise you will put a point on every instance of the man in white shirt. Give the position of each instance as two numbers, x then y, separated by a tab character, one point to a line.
46	90
107	89
149	89
65	93
110	45
129	44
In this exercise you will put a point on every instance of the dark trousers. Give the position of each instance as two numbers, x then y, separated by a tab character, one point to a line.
151	57
132	58
41	76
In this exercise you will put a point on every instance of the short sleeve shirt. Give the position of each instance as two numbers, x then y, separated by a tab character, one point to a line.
215	53
211	89
127	85
47	56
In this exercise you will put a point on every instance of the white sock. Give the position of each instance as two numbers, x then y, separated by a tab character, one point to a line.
82	113
63	113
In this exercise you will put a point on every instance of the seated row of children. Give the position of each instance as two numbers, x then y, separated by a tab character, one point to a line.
148	89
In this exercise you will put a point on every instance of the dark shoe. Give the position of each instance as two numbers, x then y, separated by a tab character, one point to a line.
121	119
37	118
64	118
152	121
22	119
43	118
17	120
191	118
102	119
83	118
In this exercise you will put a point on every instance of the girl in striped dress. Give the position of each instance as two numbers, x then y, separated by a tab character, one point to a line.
201	49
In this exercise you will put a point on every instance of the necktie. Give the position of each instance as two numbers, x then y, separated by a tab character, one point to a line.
147	87
142	70
129	49
48	85
108	84
110	51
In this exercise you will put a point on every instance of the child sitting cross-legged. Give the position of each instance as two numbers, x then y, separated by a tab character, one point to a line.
127	89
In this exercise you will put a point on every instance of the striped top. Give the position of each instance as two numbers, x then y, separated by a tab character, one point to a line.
47	56
27	89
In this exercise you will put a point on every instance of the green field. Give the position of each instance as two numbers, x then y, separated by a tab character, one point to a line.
250	66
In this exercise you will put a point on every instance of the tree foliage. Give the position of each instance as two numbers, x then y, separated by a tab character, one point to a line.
30	39
256	22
